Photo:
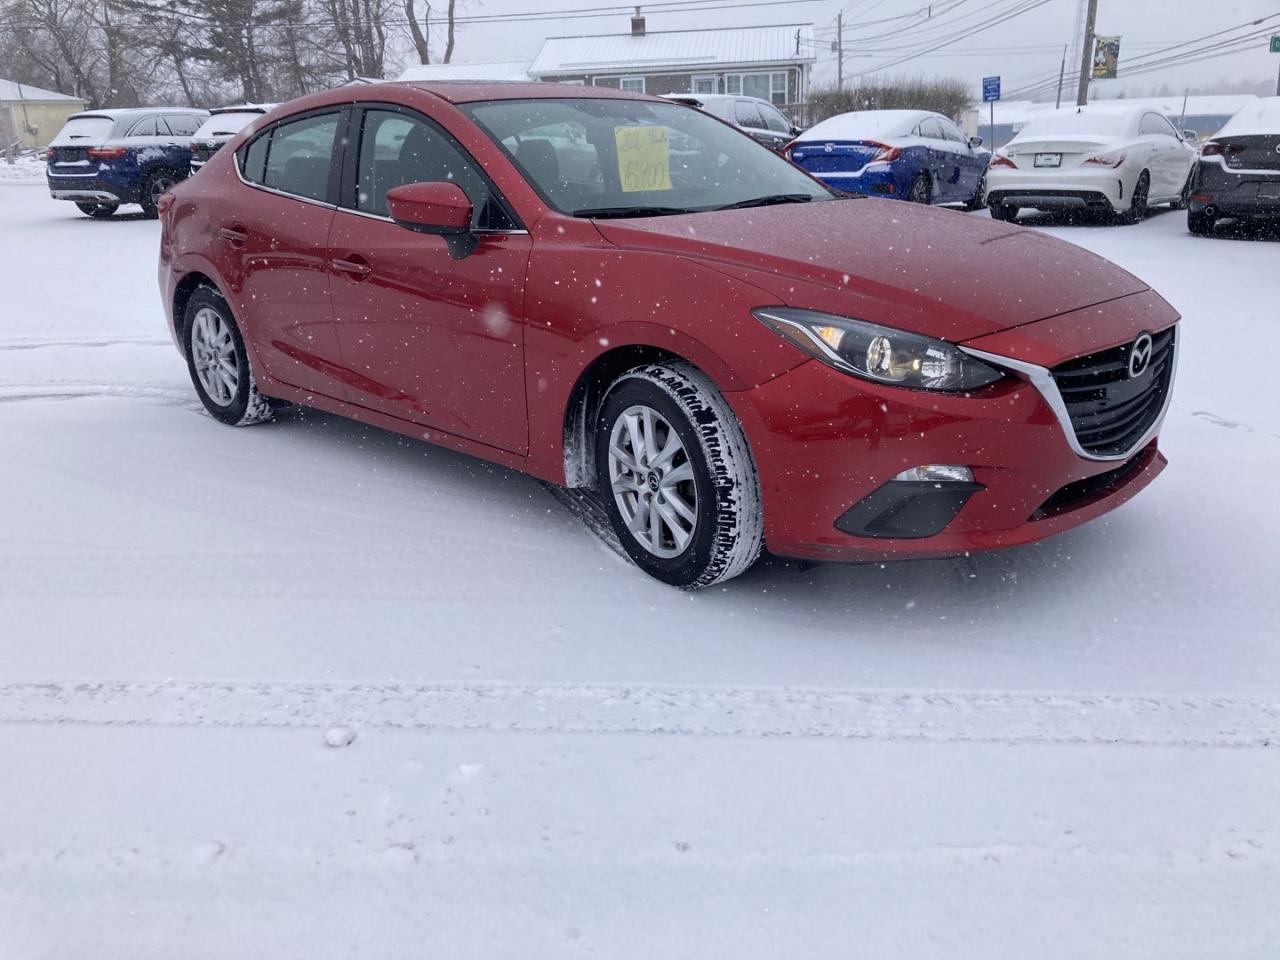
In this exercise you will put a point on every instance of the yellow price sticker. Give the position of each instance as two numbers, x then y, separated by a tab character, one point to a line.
644	158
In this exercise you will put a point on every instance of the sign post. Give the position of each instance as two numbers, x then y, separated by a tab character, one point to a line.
990	94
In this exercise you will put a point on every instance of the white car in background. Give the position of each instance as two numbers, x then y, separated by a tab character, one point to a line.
1111	159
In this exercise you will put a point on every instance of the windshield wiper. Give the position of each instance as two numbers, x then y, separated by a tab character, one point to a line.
617	213
767	201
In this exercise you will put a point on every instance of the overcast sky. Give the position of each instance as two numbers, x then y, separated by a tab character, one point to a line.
1025	49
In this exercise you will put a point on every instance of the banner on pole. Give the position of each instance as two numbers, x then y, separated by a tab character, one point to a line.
1106	58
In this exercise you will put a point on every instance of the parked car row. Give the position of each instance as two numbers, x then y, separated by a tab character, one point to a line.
625	295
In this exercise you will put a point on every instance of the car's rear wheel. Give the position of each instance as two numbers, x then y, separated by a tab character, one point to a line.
921	189
99	211
218	362
1005	212
1137	211
975	202
156	186
1184	198
677	477
1200	223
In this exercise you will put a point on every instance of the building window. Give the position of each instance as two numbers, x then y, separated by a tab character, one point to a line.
765	86
705	84
632	84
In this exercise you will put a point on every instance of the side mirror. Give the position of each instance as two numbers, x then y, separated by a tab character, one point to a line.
1190	136
438	207
975	142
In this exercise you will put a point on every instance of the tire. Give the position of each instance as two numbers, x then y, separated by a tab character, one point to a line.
226	388
1201	224
152	189
99	211
975	202
1137	211
1004	212
718	487
921	189
1184	198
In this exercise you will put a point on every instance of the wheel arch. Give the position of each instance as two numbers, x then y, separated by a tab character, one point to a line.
586	398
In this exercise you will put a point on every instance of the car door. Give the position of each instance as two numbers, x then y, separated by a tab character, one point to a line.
778	125
961	170
1157	137
428	335
1176	157
940	160
271	236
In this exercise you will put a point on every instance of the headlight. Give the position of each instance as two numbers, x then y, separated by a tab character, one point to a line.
879	353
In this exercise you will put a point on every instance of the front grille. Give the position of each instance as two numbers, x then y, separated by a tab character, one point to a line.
1110	412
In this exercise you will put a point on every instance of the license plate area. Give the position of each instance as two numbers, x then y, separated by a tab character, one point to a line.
1048	160
1269	191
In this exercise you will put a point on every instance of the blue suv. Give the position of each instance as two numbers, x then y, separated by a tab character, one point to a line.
104	158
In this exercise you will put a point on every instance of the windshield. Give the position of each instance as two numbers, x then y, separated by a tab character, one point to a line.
226	124
618	158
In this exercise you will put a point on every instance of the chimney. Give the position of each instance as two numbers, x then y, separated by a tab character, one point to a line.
637	24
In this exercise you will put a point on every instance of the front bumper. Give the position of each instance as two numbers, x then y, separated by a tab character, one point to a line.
826	444
1071	189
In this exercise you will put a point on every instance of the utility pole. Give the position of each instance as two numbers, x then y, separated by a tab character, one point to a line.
1062	75
839	51
1086	54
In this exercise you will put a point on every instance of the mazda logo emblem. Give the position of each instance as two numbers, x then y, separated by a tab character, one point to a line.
1278	148
1140	356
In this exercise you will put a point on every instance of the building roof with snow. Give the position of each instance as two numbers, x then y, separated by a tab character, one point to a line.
497	70
675	50
11	90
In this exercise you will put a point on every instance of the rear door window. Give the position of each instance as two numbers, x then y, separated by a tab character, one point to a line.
299	155
931	129
146	127
775	120
747	115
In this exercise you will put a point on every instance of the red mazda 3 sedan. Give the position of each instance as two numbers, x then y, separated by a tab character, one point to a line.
616	292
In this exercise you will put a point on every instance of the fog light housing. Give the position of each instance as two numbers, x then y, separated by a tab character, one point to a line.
915	504
937	473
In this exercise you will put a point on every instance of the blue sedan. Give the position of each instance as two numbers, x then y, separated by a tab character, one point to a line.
910	155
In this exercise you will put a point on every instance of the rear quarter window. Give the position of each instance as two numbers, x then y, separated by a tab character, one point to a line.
293	157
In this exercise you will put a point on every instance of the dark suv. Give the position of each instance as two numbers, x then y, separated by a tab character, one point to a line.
104	158
757	118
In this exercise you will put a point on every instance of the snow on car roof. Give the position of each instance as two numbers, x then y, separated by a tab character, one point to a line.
864	124
1102	121
118	112
1260	117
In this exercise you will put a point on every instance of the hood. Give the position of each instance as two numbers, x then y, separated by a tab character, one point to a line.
939	272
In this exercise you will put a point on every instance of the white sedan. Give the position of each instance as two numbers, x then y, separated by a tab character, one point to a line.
1108	158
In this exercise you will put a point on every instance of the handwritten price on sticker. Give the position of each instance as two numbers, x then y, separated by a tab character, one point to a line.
644	158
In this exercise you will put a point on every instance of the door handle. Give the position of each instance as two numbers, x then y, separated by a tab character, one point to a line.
356	269
232	235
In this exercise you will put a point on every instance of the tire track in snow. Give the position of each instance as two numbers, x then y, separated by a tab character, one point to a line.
983	717
121	340
79	390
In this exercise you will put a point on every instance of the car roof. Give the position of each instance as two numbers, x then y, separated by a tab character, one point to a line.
711	97
471	91
126	112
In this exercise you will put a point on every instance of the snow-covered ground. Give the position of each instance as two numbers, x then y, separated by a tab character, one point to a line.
1065	750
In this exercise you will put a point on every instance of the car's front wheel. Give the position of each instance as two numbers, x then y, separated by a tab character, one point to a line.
99	211
219	363
677	477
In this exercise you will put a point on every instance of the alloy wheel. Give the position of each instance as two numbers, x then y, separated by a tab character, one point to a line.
159	186
651	478
213	352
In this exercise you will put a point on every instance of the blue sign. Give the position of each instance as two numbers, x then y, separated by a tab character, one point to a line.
990	89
